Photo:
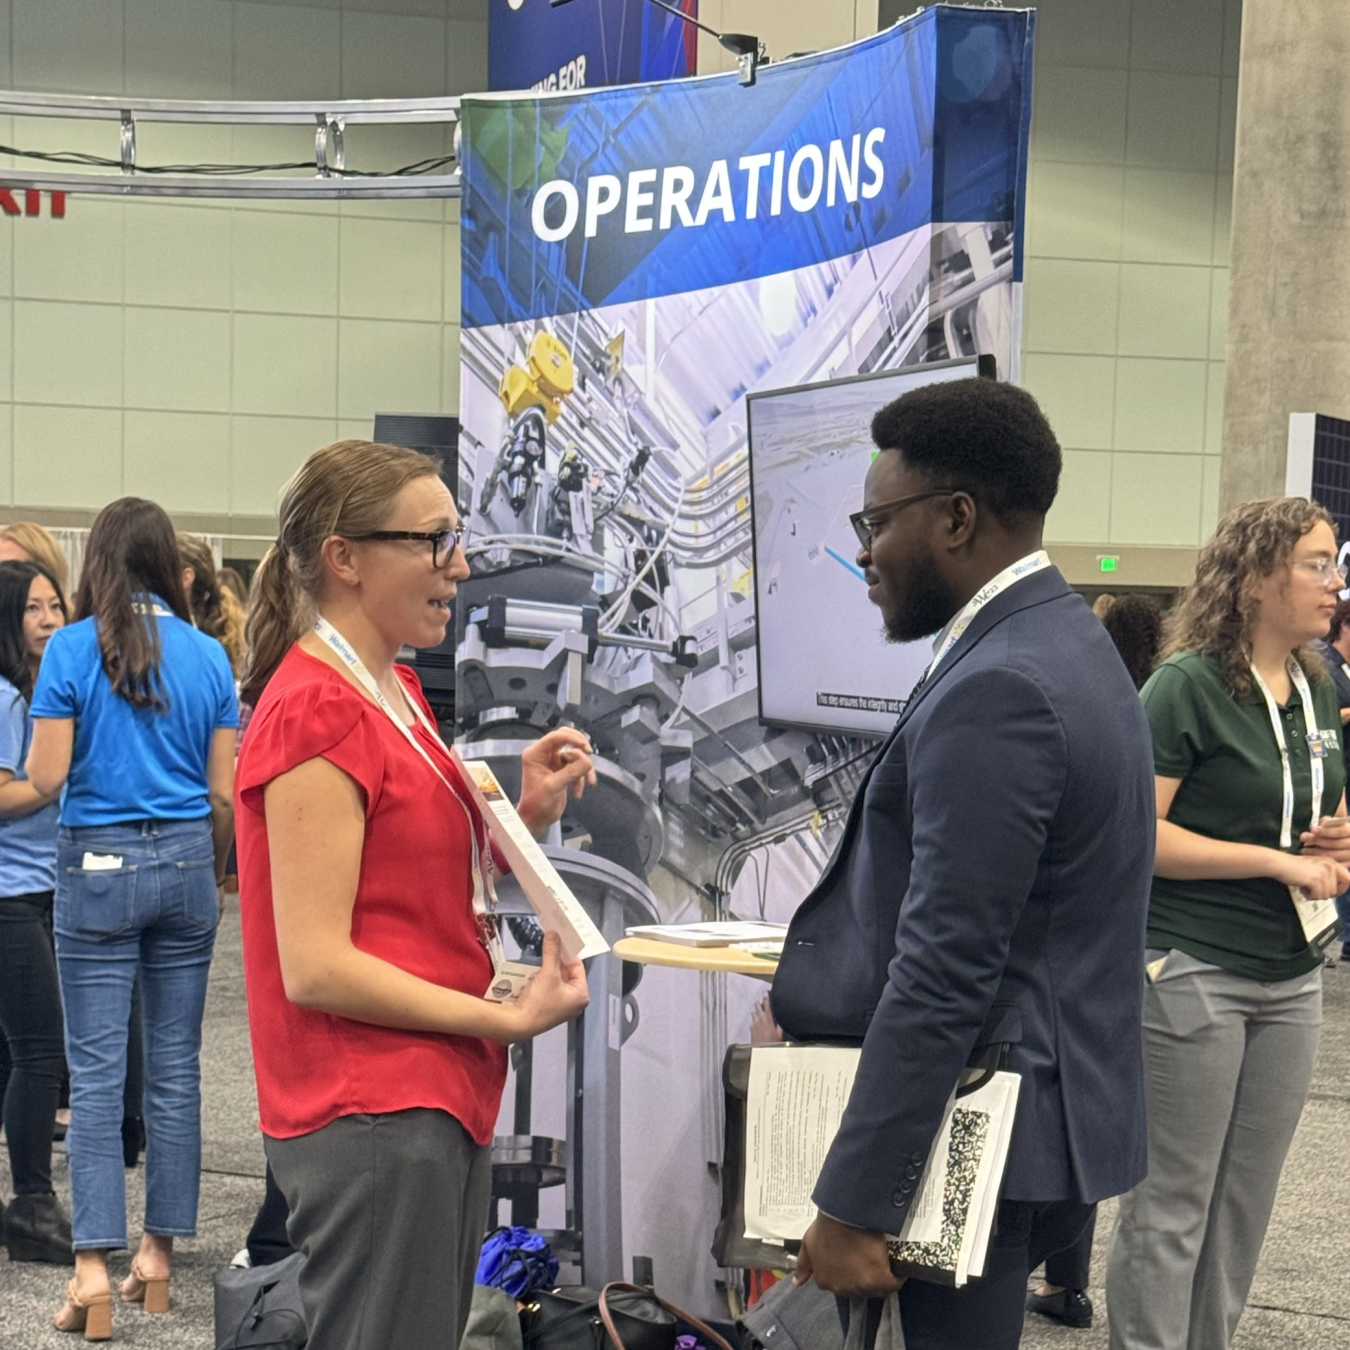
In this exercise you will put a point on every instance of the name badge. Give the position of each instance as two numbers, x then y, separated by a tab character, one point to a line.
509	980
1321	743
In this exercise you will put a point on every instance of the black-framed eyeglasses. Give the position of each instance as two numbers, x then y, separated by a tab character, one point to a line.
865	522
443	542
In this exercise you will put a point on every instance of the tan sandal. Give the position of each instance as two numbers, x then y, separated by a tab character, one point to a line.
154	1290
93	1316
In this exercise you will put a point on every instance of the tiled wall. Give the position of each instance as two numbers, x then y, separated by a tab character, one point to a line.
1127	260
196	352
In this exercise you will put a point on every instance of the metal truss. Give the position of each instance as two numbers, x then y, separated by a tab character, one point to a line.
330	180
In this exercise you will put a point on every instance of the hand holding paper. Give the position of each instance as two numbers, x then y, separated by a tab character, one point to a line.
555	994
847	1261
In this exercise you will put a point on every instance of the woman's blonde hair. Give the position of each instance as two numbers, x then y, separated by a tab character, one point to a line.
1217	611
41	547
347	488
232	635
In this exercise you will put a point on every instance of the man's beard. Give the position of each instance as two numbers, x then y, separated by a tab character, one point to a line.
925	606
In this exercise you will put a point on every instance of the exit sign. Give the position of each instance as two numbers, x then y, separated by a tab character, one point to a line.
1109	563
32	202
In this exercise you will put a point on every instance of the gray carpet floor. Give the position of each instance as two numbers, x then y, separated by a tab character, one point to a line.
1298	1300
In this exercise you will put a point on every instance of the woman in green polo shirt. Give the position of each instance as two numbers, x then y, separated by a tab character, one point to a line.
1234	995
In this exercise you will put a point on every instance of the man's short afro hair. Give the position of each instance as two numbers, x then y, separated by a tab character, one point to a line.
990	439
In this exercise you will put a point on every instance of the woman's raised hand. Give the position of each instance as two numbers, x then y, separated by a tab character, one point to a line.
557	766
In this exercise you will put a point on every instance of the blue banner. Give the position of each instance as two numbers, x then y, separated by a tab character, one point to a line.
579	201
587	43
667	293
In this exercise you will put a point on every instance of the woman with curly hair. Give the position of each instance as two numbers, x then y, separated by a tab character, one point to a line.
1251	826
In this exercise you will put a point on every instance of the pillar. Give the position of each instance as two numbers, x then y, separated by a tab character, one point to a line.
1289	307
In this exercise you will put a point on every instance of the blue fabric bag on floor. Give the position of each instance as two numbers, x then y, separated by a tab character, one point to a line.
518	1261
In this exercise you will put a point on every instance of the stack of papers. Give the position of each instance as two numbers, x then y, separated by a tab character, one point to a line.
711	934
796	1099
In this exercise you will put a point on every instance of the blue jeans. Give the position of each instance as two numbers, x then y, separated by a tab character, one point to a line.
154	911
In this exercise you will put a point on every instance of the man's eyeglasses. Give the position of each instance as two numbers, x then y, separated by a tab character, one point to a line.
443	542
1323	568
865	522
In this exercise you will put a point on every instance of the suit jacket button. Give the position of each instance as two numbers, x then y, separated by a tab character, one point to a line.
911	1172
917	1159
906	1187
900	1200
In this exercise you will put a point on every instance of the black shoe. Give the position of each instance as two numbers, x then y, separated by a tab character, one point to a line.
1072	1307
1345	951
37	1229
133	1139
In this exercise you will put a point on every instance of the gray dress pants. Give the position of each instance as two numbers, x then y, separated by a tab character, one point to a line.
390	1211
1228	1063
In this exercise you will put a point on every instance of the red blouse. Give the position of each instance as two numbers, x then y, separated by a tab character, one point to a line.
414	909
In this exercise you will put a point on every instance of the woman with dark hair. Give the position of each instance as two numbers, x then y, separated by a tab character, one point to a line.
1134	624
135	714
36	1227
1251	831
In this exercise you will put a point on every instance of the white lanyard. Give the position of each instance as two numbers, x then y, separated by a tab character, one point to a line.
1023	567
1300	681
483	890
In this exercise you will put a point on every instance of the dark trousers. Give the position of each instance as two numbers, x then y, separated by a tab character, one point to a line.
267	1241
390	1212
30	1016
987	1313
1071	1268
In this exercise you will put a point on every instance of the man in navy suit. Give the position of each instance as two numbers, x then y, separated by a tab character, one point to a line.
991	883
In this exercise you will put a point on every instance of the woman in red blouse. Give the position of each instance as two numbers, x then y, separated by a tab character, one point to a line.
362	865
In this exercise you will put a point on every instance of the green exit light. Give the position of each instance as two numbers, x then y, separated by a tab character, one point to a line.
1108	564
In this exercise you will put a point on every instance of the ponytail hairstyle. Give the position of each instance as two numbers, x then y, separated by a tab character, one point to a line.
347	488
203	595
16	580
132	555
214	611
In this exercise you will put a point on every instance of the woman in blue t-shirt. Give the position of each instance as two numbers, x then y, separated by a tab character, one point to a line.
135	713
36	1227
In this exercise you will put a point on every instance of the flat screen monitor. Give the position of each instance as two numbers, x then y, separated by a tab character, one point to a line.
824	662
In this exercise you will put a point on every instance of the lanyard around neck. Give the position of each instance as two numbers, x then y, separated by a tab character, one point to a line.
1300	682
1023	567
482	887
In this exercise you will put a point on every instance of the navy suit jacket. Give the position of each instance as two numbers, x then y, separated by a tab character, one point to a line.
990	886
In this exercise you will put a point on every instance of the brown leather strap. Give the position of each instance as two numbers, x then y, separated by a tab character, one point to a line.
620	1286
